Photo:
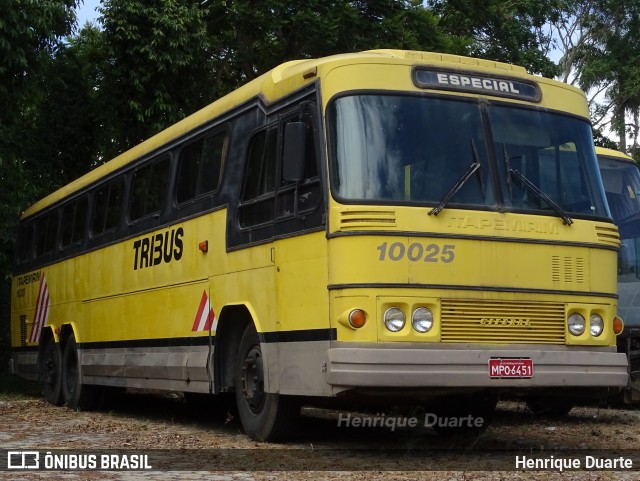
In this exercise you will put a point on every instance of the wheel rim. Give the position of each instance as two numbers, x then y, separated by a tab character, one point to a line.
253	380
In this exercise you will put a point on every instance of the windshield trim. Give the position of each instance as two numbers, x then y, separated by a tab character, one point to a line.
483	104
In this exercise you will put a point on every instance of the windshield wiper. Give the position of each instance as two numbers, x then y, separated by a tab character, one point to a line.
522	180
473	168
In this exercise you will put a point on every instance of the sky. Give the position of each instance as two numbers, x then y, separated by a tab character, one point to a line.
87	12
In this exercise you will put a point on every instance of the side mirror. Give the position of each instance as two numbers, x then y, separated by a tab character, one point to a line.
295	147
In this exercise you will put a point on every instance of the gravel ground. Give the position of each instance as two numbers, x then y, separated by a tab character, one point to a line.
201	444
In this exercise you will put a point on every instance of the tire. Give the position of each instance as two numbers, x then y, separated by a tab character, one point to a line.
50	372
264	416
75	394
556	408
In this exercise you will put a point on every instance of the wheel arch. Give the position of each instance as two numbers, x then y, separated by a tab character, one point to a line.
66	330
232	322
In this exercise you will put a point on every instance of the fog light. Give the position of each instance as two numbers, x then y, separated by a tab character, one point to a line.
596	325
422	319
394	319
576	324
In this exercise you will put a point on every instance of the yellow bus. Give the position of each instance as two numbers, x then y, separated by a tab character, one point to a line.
621	179
369	229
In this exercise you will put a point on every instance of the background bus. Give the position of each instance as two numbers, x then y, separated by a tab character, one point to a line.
366	229
621	178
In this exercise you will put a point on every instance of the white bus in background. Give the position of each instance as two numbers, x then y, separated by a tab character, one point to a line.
621	178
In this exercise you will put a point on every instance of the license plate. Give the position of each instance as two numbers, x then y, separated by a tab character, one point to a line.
510	368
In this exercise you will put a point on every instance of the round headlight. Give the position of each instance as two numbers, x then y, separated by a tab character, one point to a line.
422	319
596	325
394	319
576	324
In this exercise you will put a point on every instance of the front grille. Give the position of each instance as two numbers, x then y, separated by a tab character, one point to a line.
502	322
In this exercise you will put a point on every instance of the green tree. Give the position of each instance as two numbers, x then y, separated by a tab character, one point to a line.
164	60
610	62
30	31
156	70
246	41
515	32
62	137
599	42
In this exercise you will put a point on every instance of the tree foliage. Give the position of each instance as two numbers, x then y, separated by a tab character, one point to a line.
30	32
156	57
515	31
167	59
599	41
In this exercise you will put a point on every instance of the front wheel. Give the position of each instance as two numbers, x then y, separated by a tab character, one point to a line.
265	416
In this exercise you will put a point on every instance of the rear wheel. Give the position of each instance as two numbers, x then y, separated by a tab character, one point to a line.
264	416
76	395
50	372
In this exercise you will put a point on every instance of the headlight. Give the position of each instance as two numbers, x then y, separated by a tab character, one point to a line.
596	325
422	319
394	319
576	324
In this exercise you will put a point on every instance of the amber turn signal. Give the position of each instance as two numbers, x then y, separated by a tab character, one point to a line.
357	318
618	325
204	246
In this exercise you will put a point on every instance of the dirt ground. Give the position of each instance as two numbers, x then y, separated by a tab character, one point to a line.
189	441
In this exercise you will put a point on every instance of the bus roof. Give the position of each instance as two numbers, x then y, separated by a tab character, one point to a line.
277	83
613	153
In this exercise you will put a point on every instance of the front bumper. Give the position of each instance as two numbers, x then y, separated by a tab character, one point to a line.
467	366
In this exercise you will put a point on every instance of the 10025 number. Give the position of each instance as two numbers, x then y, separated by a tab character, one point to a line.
416	252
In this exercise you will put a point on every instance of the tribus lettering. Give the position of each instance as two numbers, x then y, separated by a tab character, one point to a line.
153	250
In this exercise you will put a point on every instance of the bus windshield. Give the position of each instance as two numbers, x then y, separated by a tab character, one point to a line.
419	150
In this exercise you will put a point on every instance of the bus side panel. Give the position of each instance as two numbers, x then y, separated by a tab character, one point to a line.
151	318
304	331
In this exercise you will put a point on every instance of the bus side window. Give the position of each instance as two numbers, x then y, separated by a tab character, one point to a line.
200	166
257	200
46	232
74	217
25	243
107	205
149	189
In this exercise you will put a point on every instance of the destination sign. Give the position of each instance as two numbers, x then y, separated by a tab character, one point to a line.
477	83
